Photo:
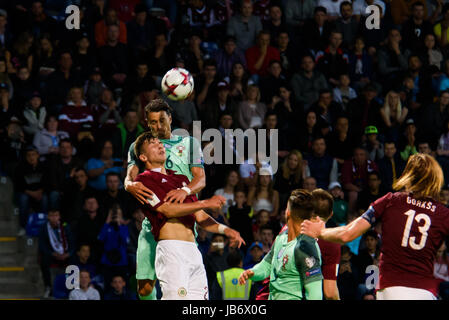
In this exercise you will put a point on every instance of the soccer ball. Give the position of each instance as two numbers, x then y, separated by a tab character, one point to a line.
177	84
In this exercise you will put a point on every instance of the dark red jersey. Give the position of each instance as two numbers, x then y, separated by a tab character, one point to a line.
412	232
330	259
161	184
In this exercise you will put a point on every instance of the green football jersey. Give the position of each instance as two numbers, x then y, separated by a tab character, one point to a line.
290	265
182	153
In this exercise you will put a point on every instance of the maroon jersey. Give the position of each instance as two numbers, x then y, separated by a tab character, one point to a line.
330	259
412	231
161	184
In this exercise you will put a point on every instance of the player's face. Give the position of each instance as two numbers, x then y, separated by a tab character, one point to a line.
160	124
154	151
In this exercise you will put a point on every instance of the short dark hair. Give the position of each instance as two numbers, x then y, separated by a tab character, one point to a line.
144	137
320	8
390	142
417	4
300	204
234	259
375	173
371	233
158	105
323	203
345	3
110	174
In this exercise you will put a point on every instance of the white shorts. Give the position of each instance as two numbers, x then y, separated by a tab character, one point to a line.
180	270
404	293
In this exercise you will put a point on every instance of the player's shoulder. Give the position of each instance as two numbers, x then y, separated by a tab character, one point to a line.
307	245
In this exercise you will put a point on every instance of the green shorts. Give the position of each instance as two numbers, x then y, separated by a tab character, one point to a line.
146	253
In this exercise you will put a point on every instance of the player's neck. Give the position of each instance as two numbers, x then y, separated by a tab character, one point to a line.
294	228
157	167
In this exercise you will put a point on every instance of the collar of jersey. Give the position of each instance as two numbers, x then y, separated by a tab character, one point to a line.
172	141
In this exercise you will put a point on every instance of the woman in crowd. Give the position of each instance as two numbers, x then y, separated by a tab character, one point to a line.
231	181
251	112
393	115
262	196
47	140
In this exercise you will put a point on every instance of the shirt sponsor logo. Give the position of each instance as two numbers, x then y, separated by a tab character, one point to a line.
313	272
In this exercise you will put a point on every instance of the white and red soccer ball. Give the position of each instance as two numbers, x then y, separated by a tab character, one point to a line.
177	84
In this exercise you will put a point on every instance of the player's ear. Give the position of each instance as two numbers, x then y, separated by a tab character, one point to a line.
143	158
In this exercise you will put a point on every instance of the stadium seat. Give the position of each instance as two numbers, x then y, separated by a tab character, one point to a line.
35	221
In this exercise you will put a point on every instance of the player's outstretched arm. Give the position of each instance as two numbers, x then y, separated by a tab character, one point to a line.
341	235
175	210
211	225
136	188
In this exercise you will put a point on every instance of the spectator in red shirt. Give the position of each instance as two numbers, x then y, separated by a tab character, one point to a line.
354	175
259	56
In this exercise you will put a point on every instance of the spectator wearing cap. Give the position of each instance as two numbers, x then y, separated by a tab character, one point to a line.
84	59
113	58
340	206
93	87
75	113
316	31
390	166
408	140
372	144
354	176
244	26
29	182
271	83
308	82
102	28
34	115
253	256
228	56
258	57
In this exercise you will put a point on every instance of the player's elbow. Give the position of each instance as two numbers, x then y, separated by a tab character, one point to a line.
145	287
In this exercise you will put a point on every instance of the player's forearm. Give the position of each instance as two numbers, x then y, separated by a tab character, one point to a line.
346	233
131	175
330	290
314	290
199	180
176	210
206	222
261	271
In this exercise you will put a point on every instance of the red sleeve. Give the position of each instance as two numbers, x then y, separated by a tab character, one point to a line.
381	204
330	255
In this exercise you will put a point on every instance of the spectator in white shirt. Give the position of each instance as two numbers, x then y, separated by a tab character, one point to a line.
86	290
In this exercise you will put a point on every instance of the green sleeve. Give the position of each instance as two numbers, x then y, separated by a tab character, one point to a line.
314	290
307	260
131	156
196	154
261	270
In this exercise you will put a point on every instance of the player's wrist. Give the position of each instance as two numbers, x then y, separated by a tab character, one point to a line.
188	190
222	228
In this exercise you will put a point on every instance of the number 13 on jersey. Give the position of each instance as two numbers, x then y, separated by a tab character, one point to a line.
406	239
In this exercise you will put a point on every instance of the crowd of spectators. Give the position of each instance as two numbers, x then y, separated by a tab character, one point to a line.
351	104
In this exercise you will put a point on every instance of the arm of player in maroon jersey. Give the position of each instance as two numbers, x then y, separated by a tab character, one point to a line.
176	210
196	185
341	235
211	225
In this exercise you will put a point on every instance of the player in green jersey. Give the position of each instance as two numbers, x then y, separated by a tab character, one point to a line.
184	156
294	262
